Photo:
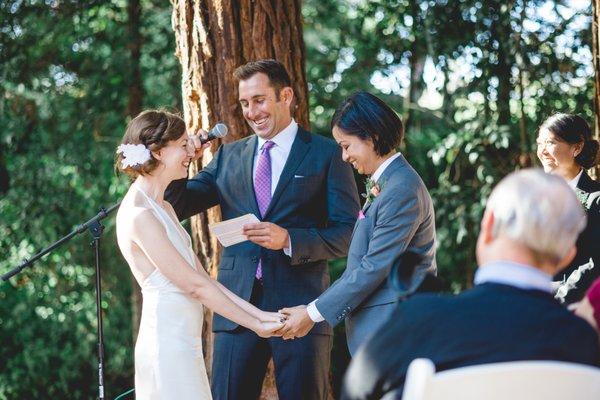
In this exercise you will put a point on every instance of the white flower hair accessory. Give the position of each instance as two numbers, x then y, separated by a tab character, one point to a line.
133	154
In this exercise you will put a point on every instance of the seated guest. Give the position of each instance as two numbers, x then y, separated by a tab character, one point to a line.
528	233
589	307
566	148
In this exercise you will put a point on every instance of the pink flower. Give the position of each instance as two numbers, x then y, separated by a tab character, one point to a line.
375	191
361	214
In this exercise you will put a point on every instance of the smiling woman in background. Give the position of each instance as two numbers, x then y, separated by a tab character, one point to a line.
566	148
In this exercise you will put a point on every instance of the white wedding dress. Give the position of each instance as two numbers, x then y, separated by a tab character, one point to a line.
169	363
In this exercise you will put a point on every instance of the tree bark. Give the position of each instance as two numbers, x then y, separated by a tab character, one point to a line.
501	33
4	178
596	56
134	107
525	158
417	65
213	38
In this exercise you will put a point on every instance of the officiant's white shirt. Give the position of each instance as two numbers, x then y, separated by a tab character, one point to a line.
313	311
279	154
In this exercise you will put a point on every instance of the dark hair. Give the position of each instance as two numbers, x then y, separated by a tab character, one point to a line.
367	116
574	129
273	69
154	129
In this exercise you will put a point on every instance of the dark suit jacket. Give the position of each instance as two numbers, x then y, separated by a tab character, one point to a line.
489	323
588	242
316	200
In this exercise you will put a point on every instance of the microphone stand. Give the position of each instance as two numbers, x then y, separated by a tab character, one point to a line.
96	229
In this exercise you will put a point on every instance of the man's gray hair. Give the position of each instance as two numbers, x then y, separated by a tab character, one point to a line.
538	210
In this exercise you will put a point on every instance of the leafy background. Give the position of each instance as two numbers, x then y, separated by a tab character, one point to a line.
472	79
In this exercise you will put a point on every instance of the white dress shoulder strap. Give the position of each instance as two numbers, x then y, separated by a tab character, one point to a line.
181	243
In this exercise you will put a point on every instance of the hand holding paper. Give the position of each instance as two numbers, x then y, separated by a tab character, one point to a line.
267	235
231	232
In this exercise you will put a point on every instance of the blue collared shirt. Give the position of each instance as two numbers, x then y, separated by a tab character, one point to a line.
514	274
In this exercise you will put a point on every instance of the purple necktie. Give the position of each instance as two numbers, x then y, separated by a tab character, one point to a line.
262	186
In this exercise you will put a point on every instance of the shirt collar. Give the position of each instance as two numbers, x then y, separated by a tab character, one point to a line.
514	274
379	171
284	139
573	182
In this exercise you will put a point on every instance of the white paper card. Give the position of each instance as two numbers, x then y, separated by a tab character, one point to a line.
230	232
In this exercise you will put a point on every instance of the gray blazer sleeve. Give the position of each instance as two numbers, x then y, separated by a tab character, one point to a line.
396	220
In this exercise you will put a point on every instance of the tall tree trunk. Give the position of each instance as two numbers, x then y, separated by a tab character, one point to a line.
501	35
134	106
596	54
4	178
525	158
213	38
417	65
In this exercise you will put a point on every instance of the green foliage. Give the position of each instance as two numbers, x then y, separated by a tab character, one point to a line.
64	92
497	68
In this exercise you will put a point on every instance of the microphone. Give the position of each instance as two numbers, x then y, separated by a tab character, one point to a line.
218	131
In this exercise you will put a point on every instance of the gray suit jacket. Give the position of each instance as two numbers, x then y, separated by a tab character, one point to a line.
400	219
316	200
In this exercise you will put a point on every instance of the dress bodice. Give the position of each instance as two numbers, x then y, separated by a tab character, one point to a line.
179	238
169	361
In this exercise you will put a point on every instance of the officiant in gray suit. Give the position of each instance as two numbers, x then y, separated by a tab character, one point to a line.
397	217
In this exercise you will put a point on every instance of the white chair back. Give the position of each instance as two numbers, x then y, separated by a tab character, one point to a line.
519	380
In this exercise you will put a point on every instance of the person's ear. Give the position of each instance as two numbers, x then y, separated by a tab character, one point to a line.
577	149
157	154
287	95
487	227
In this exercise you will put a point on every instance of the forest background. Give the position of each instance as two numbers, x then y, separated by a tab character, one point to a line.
472	79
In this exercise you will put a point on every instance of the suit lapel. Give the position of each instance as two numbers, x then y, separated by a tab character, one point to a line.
247	173
398	163
387	174
298	151
587	184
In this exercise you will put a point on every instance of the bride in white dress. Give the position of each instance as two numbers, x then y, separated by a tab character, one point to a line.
169	363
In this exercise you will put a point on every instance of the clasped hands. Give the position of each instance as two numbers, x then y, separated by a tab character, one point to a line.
288	323
297	323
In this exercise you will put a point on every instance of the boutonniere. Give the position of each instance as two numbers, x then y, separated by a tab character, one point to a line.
583	198
373	190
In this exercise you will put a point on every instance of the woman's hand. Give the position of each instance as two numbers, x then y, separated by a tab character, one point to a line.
269	323
267	329
266	316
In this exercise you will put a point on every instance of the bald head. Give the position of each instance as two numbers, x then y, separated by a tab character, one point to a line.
537	210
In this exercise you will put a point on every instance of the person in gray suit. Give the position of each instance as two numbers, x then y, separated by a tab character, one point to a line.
397	217
296	183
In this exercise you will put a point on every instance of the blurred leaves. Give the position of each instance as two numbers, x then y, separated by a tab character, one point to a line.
472	78
63	91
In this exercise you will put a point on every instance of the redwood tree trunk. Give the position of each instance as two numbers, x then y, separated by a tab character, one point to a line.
213	38
596	54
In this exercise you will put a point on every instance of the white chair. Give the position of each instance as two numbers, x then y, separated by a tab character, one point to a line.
520	380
